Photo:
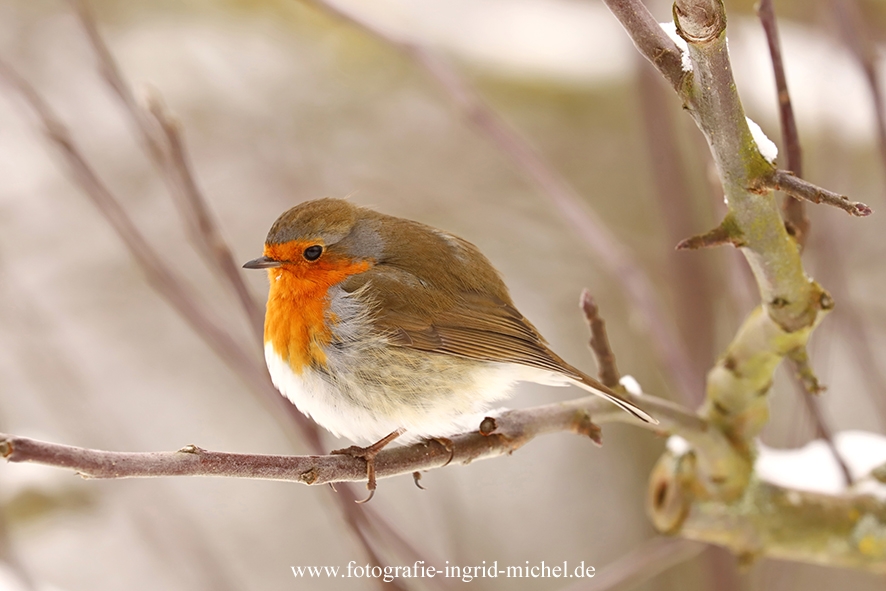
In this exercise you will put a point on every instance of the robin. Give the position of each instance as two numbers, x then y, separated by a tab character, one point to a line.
378	327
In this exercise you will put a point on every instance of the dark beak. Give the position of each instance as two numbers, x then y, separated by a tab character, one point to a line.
262	263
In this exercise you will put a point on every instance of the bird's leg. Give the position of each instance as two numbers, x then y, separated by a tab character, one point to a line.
368	454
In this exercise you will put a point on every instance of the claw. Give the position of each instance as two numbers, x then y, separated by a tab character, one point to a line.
367	454
367	499
448	446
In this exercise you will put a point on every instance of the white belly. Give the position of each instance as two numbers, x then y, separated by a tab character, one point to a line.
423	401
370	388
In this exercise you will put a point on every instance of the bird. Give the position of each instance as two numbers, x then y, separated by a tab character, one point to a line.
379	327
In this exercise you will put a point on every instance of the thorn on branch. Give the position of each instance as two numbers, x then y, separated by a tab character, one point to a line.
725	233
608	371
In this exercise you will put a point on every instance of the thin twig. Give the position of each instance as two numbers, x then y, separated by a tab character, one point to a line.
783	180
208	234
161	137
608	371
793	208
609	250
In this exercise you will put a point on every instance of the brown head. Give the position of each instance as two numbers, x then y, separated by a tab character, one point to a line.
328	240
410	271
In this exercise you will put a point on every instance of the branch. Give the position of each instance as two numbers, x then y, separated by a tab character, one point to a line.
770	520
711	98
161	137
790	136
502	435
838	531
685	489
792	304
782	180
608	370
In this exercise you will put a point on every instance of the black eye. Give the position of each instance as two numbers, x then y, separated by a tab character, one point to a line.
312	253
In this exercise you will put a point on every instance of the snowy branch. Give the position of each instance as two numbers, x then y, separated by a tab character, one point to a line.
716	497
777	522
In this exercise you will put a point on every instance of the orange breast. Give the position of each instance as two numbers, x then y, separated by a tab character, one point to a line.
298	322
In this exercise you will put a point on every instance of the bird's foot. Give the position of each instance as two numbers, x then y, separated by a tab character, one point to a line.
367	454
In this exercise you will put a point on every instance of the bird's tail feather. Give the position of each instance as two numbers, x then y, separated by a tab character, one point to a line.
595	387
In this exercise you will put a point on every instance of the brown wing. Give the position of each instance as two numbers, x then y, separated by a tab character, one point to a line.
469	324
485	328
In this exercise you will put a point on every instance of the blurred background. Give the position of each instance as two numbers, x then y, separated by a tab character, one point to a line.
280	103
